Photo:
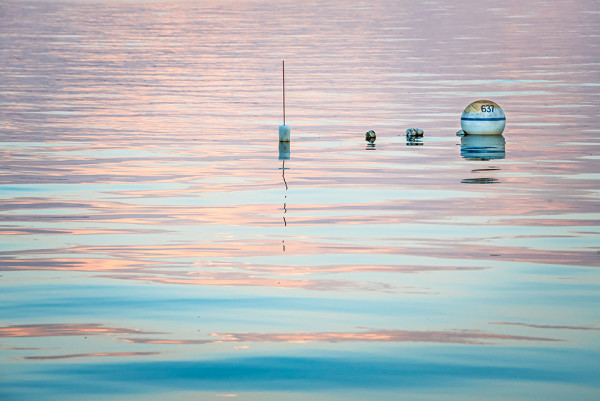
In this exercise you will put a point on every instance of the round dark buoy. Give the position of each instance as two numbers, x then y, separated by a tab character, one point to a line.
414	133
483	117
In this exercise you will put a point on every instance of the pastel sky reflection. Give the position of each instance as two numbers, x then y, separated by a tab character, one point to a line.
157	244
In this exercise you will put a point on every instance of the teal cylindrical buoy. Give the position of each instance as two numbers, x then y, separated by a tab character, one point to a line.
483	117
284	133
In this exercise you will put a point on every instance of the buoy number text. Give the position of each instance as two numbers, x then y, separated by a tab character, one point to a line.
487	108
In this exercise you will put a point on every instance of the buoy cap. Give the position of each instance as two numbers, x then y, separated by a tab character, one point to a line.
483	106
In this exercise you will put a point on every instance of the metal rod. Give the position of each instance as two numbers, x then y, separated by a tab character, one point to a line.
283	65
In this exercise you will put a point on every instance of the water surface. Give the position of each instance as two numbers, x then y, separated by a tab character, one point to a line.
156	244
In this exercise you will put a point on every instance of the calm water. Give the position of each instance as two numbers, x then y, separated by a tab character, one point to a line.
156	245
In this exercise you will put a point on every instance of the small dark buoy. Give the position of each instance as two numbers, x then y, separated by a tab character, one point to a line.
414	133
370	136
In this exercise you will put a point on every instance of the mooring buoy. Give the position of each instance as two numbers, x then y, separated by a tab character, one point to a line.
483	117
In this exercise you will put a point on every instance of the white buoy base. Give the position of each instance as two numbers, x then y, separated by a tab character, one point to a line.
284	133
483	127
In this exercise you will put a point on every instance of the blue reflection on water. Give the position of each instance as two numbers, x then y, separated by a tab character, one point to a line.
335	371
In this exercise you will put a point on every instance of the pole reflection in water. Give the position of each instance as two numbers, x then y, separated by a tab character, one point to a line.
284	154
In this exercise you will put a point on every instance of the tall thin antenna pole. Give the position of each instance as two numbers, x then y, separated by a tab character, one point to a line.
283	66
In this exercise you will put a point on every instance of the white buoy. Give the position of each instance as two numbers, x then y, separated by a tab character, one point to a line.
284	130
483	117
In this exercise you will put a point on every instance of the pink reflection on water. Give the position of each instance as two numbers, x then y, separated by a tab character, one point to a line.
95	354
446	337
244	280
548	326
65	329
205	263
508	209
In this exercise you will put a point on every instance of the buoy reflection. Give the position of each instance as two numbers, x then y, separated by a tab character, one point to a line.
284	151
284	154
414	141
482	147
483	180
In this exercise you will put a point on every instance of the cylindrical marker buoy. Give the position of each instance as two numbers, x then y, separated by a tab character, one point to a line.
483	117
284	133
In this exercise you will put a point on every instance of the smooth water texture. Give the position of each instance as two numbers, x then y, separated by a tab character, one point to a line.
157	243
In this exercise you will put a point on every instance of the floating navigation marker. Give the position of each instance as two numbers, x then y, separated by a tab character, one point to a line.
370	137
483	117
284	130
414	133
284	133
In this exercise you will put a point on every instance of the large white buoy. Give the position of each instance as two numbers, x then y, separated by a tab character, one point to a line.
483	117
284	130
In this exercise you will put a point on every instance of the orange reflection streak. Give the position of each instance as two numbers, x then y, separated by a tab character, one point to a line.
299	270
92	355
467	248
65	329
457	336
203	264
506	211
238	279
446	249
75	264
449	336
